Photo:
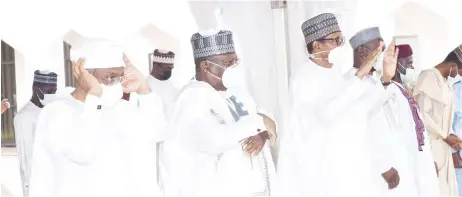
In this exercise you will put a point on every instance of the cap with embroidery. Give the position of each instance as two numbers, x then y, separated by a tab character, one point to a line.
458	52
163	56
405	50
319	26
45	77
211	43
364	36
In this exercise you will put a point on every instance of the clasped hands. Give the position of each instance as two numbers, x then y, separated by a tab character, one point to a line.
454	141
254	144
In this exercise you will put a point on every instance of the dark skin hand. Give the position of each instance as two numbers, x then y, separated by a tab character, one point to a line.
392	178
254	144
452	140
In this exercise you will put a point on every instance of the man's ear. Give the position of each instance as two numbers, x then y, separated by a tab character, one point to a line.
316	45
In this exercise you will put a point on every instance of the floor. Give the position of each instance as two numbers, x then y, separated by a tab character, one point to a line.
10	178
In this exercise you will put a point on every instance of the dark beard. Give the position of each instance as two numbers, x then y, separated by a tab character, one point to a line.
166	75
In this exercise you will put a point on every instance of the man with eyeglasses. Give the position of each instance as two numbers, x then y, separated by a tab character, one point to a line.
217	144
43	92
323	150
90	142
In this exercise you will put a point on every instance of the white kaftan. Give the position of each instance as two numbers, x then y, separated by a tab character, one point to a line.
81	150
421	163
24	126
205	153
167	93
323	150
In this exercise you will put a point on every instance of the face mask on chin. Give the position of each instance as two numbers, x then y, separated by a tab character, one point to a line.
167	75
111	95
47	98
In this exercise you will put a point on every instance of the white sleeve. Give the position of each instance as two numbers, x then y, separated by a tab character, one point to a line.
152	116
381	142
24	129
72	133
201	130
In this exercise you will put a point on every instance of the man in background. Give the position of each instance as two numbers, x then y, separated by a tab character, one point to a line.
162	66
434	95
43	92
457	125
406	74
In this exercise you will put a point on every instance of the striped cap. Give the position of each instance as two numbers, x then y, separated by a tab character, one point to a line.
45	77
364	36
319	26
163	56
212	43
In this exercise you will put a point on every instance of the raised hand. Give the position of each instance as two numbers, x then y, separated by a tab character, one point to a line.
133	79
390	59
86	81
369	62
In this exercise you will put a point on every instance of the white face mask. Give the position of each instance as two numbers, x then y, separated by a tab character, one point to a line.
232	76
410	76
47	98
378	66
111	95
313	55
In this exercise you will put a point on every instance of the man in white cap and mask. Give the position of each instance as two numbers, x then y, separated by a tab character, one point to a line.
323	151
162	66
218	143
43	92
89	143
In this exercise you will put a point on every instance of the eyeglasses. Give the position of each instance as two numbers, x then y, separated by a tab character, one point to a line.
338	40
226	64
113	80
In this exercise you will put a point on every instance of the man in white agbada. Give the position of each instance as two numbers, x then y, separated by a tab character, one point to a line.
409	127
217	144
324	149
389	142
162	66
90	142
43	93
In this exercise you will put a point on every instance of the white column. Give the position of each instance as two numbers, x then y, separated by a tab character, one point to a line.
280	59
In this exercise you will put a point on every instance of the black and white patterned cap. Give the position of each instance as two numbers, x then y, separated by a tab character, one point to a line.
458	52
364	36
163	56
45	77
319	26
208	44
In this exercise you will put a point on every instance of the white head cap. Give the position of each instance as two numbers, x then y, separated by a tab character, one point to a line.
98	53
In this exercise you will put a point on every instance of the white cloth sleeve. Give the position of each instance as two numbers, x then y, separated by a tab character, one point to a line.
337	104
381	143
201	130
152	116
73	132
24	129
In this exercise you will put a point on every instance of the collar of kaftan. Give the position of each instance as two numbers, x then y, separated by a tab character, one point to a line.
434	85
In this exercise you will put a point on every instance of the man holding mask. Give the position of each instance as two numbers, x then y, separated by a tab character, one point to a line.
89	143
43	93
217	145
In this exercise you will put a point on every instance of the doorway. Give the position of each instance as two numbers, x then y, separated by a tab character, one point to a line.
8	92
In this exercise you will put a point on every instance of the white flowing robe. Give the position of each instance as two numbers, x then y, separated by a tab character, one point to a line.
324	149
421	163
168	93
24	126
205	153
81	150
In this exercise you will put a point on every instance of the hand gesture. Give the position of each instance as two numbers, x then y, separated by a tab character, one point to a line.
5	105
369	62
253	145
392	178
390	59
452	140
270	127
133	80
85	80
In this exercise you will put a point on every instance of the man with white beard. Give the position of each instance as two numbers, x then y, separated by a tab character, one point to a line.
217	143
324	149
43	92
90	143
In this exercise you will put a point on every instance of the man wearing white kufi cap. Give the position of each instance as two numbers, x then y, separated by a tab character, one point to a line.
218	141
43	92
89	143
